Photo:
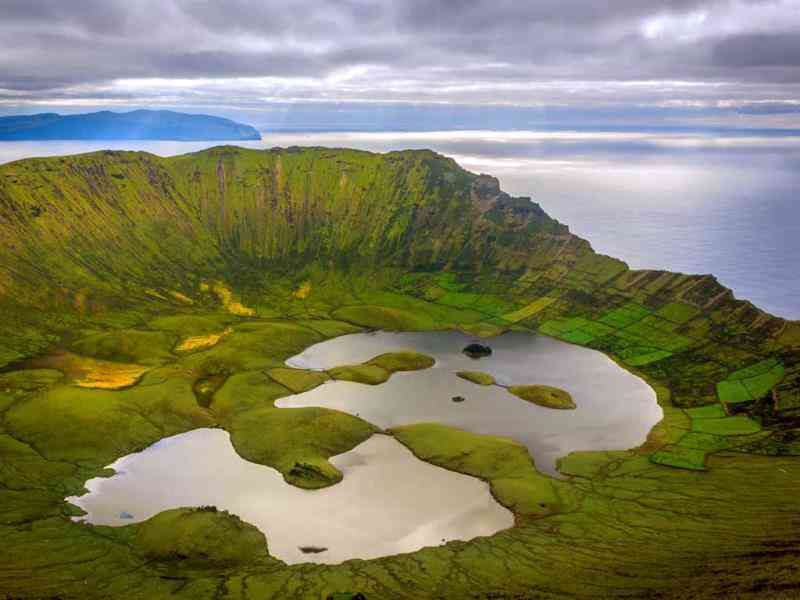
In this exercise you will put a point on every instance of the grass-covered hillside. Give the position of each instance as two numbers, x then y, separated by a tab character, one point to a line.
145	296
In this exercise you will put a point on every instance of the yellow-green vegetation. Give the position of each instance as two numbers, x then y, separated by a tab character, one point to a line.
97	426
379	369
299	441
390	319
544	395
226	296
127	346
189	325
752	382
369	374
407	360
86	372
201	342
108	376
478	377
298	380
302	292
199	537
181	297
101	251
502	462
254	345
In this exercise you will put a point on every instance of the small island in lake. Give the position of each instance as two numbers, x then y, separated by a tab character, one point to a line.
478	377
544	395
475	350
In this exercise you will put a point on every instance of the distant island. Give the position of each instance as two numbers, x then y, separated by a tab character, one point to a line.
134	125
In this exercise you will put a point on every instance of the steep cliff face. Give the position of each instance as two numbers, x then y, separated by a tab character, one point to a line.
111	231
116	219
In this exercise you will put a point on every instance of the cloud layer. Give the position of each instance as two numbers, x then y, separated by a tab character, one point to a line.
246	54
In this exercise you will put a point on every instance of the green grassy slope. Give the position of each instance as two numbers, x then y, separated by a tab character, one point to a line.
204	272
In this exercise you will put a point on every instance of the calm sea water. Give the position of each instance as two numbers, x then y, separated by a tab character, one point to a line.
693	203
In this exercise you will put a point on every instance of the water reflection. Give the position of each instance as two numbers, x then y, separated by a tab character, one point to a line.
615	409
389	502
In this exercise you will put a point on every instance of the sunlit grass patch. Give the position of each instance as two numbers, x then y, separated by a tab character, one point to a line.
530	310
109	376
228	300
201	342
86	372
544	395
181	297
302	292
478	377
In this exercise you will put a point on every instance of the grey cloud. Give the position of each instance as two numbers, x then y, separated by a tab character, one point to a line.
759	50
472	51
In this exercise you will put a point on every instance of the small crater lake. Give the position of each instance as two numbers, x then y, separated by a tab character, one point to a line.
615	409
389	502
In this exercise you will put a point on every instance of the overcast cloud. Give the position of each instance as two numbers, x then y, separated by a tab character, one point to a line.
243	54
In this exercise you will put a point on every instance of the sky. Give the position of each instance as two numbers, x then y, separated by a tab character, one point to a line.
716	62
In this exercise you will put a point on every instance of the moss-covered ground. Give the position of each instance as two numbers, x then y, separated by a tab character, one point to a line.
543	395
380	369
114	260
478	377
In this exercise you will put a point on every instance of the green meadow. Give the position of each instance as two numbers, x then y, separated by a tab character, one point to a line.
143	297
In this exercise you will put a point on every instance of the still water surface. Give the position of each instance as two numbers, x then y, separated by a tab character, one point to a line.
615	409
389	502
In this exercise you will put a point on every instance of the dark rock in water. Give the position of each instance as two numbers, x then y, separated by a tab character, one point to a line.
458	398
125	515
346	596
312	549
475	350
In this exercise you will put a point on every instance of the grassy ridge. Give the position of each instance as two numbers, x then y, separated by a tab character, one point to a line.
119	258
